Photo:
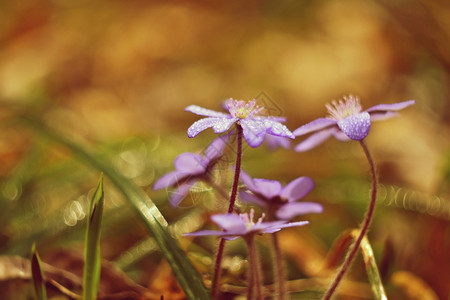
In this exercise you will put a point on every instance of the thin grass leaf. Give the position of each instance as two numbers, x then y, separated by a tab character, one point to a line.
91	272
37	275
338	251
372	270
149	213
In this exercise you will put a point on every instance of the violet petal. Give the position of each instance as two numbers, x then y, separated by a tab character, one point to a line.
315	139
200	125
318	124
181	192
204	111
223	124
204	232
391	107
232	223
169	179
297	189
383	115
267	188
293	209
267	227
294	224
277	119
190	163
356	126
247	180
216	148
248	197
254	132
277	129
340	136
273	142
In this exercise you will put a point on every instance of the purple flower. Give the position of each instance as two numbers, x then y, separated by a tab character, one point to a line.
280	201
243	113
241	225
346	121
191	168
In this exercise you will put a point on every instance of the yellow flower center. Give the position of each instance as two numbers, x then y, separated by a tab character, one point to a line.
241	109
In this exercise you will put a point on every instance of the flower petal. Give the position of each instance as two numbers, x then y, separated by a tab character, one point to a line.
293	209
267	227
297	189
273	142
181	192
190	163
232	223
205	112
277	119
390	107
315	139
254	132
223	124
315	125
205	232
248	197
294	224
340	136
356	126
216	148
277	129
200	125
169	179
247	180
380	116
267	188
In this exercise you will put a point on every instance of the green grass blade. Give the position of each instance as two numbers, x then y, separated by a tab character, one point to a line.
37	275
182	268
372	270
91	272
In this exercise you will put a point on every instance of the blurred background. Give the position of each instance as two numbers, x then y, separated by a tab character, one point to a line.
115	76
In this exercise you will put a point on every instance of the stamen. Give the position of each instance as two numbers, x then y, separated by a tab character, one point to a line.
347	106
241	109
248	218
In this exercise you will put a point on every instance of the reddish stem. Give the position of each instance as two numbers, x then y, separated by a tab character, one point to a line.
364	227
237	171
279	268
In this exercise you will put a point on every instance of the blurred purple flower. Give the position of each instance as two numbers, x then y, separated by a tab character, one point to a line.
242	113
241	225
346	121
191	168
281	202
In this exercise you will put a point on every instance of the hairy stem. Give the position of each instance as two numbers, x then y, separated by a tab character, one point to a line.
237	171
254	276
279	268
364	227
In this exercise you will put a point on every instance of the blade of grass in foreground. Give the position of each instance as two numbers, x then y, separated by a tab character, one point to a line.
372	270
338	250
37	275
182	268
91	272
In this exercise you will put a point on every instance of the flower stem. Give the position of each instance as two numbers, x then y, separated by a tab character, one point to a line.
237	172
364	227
279	267
254	278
